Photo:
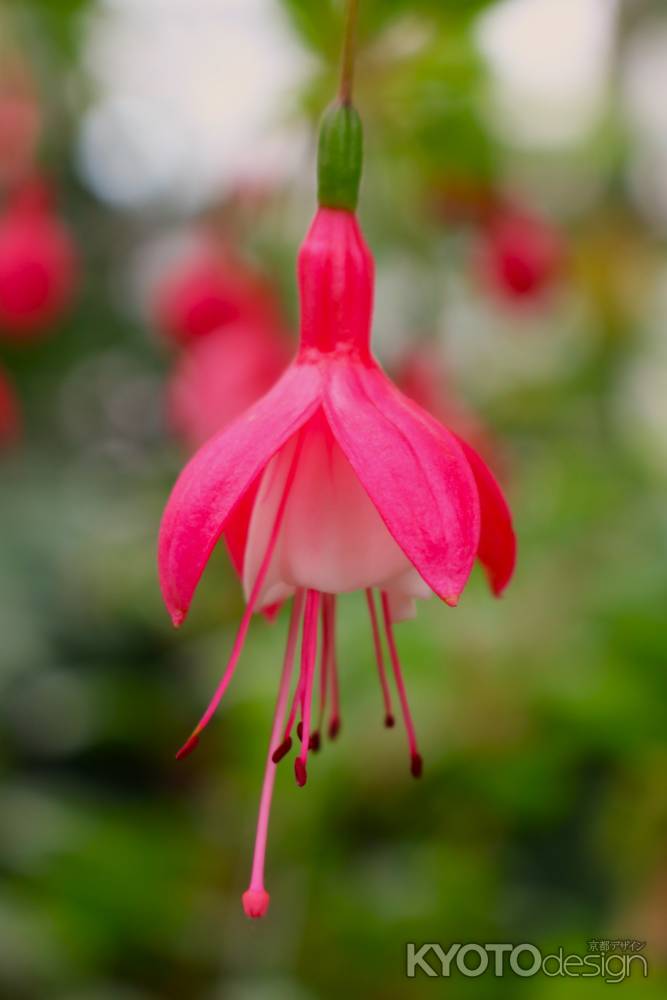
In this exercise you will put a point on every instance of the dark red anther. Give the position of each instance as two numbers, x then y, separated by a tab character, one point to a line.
334	727
314	742
282	750
416	765
299	731
389	721
300	772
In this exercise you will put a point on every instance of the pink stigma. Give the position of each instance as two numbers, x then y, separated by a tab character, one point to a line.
256	898
255	903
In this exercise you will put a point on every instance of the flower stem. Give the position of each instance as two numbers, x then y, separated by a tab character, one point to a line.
348	53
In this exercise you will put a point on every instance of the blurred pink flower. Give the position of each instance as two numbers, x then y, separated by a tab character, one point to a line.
519	254
220	376
208	291
333	482
38	265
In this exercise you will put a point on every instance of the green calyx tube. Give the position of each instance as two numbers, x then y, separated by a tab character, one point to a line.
339	157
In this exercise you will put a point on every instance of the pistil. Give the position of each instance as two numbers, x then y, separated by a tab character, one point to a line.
256	898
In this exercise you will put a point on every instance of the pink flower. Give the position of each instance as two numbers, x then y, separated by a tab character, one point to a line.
208	291
221	375
37	265
333	482
520	255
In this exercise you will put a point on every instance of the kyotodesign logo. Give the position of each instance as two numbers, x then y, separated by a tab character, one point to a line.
612	961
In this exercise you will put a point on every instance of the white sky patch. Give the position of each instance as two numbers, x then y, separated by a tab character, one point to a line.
190	98
645	82
549	62
645	101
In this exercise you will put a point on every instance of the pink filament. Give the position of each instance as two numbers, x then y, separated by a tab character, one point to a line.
324	666
297	703
256	886
382	673
415	756
192	741
332	661
308	662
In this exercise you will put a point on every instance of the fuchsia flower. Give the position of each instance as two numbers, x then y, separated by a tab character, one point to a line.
333	482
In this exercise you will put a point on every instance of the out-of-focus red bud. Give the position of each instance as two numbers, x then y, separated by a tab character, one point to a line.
220	375
209	291
10	420
519	255
38	266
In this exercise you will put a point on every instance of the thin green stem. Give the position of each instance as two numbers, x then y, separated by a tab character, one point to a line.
348	53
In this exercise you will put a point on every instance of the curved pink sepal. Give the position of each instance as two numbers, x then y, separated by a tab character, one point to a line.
417	478
215	480
497	541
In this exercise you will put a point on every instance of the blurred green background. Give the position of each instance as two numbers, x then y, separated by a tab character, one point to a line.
542	813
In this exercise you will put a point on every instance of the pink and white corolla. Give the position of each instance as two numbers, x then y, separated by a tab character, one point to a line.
333	482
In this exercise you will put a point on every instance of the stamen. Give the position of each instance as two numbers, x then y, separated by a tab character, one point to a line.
239	642
297	701
308	661
330	609
416	762
256	898
315	739
282	750
384	683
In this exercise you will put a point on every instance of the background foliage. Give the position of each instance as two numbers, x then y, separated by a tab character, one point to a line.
542	813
